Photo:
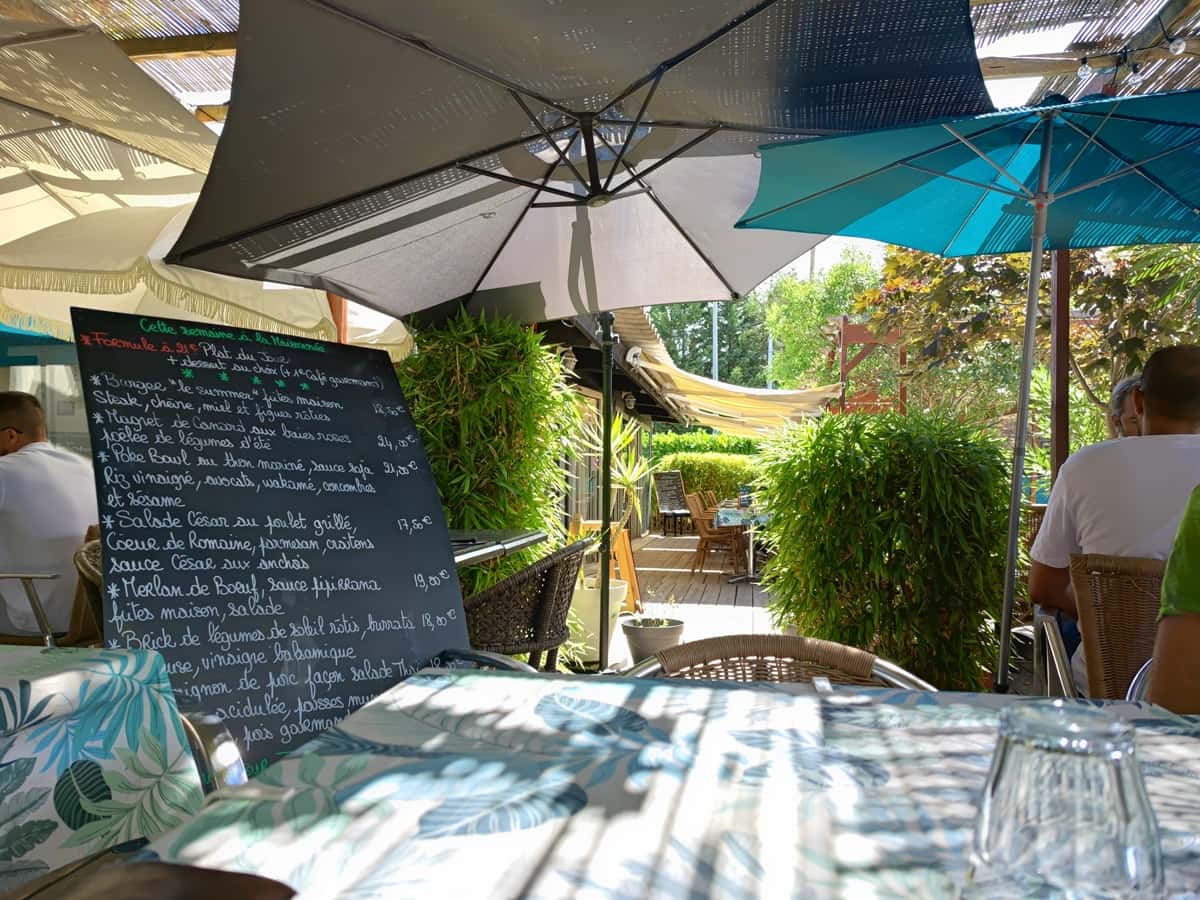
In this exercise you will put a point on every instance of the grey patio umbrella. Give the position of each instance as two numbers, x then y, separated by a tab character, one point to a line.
560	158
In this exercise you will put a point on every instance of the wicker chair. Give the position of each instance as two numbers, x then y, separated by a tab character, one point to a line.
527	612
671	496
91	580
777	658
1118	600
730	540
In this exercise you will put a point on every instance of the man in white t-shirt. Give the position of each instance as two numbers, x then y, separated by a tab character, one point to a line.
1124	497
47	502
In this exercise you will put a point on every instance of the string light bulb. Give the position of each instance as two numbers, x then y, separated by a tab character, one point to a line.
1084	71
1135	76
1177	47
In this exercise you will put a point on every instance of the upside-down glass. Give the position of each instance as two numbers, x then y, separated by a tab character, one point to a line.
1064	812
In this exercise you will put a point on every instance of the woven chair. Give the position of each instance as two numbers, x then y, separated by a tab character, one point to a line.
91	580
776	658
671	497
712	538
527	612
1118	600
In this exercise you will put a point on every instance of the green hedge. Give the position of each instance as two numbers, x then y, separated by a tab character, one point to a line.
720	472
666	443
496	418
889	535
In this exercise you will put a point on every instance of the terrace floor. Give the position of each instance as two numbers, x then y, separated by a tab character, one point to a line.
706	602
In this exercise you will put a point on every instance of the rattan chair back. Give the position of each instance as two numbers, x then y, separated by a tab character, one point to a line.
1118	600
777	658
527	612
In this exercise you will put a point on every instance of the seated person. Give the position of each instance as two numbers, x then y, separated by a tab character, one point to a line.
1122	417
1175	676
1124	497
47	502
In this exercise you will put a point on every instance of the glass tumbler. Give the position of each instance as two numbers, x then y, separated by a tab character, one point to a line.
1064	812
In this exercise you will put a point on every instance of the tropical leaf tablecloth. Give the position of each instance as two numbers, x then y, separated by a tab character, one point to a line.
92	754
489	784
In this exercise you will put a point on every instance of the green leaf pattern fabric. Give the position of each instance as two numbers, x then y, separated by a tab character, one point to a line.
92	754
501	784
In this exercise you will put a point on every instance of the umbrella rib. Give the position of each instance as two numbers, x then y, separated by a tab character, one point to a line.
449	58
668	64
554	144
1092	137
635	176
517	224
749	220
520	182
1141	120
1136	167
632	128
991	188
688	125
999	168
979	202
350	198
1104	145
666	159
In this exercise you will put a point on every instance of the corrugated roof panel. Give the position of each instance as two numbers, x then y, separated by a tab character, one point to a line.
149	18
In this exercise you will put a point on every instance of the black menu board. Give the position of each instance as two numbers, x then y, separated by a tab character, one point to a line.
269	521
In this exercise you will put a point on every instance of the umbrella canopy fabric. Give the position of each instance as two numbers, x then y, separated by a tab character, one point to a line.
1125	170
591	155
1062	175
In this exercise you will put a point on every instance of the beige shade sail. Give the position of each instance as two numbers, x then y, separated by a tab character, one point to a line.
703	401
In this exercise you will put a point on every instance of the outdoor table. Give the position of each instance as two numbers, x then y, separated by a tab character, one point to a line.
470	783
92	754
472	547
744	517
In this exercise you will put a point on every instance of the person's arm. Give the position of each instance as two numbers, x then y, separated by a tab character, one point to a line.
1051	587
1050	555
1175	675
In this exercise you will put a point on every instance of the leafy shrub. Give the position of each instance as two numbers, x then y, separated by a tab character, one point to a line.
497	419
723	473
666	443
889	535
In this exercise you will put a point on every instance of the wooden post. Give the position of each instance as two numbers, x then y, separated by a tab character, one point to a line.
842	367
340	313
1060	358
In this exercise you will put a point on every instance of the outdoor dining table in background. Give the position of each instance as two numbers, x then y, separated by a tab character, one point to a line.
504	784
92	754
744	517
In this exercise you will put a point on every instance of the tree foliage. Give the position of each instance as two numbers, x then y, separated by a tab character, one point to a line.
686	329
966	314
797	311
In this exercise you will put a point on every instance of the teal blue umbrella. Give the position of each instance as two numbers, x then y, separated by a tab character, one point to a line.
1101	172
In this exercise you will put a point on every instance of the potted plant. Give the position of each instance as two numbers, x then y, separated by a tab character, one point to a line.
646	635
627	472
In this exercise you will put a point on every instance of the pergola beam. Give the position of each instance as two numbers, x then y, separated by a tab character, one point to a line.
1048	65
217	43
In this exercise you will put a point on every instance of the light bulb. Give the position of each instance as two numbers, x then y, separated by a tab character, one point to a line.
1084	71
1177	47
1135	76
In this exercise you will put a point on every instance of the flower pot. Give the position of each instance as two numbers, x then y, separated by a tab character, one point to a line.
646	636
586	603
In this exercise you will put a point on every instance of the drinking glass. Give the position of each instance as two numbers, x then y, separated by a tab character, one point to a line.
1064	812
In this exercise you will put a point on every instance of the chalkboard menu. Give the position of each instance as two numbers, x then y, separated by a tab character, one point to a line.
269	521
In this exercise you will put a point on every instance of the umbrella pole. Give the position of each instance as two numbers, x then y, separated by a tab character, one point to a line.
605	320
1000	681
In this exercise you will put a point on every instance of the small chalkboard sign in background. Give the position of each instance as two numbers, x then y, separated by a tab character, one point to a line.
269	521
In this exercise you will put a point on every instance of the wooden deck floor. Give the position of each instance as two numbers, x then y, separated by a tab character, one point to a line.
707	603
